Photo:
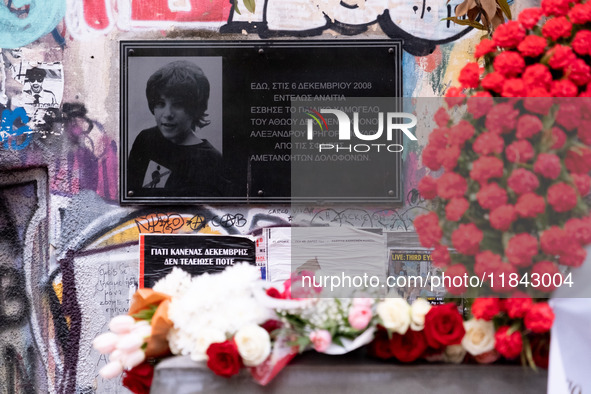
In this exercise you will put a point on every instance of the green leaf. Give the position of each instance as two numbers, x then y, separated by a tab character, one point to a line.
505	8
465	22
236	7
146	314
250	5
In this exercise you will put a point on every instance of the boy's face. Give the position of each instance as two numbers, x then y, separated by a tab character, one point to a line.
174	122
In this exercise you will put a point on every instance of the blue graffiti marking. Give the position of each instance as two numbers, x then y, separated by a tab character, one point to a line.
19	30
9	136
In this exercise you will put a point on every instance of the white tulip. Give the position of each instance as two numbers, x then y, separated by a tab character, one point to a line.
130	342
105	343
111	370
133	359
121	324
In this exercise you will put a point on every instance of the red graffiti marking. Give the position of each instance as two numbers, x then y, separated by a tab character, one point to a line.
201	11
95	14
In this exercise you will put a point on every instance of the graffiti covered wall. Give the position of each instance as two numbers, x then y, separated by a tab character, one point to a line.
69	251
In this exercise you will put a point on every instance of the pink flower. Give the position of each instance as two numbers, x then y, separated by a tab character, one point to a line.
321	340
359	317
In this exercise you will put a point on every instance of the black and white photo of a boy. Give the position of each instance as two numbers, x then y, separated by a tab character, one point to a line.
172	159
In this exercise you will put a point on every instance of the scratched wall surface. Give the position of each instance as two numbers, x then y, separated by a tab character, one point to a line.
68	250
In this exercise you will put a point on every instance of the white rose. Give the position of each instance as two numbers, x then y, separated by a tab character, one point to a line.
254	344
454	354
394	314
420	307
479	337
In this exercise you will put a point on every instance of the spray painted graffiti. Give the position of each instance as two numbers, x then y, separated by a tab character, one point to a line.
24	21
15	135
417	22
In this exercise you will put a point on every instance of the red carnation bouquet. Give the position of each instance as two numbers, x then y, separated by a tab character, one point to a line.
513	144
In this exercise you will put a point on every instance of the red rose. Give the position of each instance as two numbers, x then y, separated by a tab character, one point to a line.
486	262
563	88
555	7
430	158
493	81
579	229
486	308
460	133
530	205
557	28
139	379
466	239
444	326
548	165
449	157
539	105
582	42
271	325
440	256
528	126
513	87
428	187
502	217
485	168
523	181
561	56
539	318
573	255
502	118
579	72
537	75
441	117
491	196
224	359
562	197
520	249
488	143
454	96
508	63
529	17
508	345
479	106
552	241
428	230
519	152
547	268
509	34
451	185
457	287
484	46
580	14
408	347
380	346
517	305
274	293
470	75
559	137
455	208
540	347
578	160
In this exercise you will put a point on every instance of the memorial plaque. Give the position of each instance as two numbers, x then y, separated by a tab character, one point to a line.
247	121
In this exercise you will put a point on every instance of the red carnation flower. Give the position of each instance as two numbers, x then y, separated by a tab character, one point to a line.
491	196
518	305
573	255
493	81
537	75
578	160
522	181
545	269
508	345
460	133
428	230
438	138
569	114
430	158
513	87
451	185
484	47
530	205
519	152
555	7
455	208
502	118
486	308
538	105
557	28
584	132
529	17
485	168
561	56
454	96
582	42
486	262
444	326
488	143
563	88
441	117
548	165
449	157
502	217
579	72
579	229
509	34
479	106
521	248
539	318
470	75
553	240
508	63
562	197
466	239
559	138
532	46
440	256
428	187
408	347
580	14
224	359
528	126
